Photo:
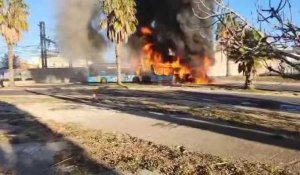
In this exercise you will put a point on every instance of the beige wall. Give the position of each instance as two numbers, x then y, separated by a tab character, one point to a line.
220	66
59	75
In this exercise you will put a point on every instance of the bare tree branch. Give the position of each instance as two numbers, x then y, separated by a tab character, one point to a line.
277	44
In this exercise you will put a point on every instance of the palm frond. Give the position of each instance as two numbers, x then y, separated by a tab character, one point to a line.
13	20
120	19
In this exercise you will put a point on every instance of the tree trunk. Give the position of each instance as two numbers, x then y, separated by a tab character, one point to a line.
11	65
249	81
118	63
250	75
228	70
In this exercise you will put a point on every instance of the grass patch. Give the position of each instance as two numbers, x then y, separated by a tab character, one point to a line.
130	154
252	118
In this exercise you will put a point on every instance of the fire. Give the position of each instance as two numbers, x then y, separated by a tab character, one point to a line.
146	31
176	65
202	73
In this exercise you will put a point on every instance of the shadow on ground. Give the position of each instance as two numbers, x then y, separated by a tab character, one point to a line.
29	147
119	101
284	104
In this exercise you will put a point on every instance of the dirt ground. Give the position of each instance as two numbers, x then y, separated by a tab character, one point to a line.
214	124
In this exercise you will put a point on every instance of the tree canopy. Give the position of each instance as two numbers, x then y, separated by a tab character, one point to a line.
14	20
120	20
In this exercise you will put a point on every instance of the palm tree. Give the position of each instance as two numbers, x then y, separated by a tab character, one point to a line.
236	39
14	20
120	23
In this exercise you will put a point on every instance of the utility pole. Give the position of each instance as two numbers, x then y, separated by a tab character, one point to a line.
43	44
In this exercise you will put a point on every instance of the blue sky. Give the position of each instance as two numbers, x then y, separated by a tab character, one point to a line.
44	10
41	10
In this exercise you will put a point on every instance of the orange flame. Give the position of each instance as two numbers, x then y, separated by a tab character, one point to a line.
202	77
146	31
153	60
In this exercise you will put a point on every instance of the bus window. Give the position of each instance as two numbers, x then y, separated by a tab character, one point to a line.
103	73
93	72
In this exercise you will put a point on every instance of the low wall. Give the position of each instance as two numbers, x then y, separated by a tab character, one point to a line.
59	75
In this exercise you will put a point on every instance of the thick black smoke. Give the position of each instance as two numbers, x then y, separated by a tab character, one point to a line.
177	27
173	21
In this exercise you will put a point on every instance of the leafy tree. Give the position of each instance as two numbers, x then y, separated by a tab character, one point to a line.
120	23
14	20
5	62
238	41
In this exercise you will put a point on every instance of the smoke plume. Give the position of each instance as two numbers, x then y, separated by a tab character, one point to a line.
78	36
177	28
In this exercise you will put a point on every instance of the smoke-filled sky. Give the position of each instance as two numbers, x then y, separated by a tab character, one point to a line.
76	30
45	10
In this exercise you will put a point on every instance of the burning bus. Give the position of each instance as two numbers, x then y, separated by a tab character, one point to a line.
154	65
165	65
108	74
158	64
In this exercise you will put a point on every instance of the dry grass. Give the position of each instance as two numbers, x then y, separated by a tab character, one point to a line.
130	154
271	120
